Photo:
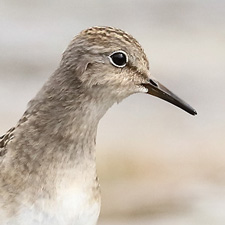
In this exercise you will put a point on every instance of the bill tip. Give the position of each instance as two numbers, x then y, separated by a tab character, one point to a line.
194	113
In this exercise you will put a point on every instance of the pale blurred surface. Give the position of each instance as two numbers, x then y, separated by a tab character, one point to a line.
157	164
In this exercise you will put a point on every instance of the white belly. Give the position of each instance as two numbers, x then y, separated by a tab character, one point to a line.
73	207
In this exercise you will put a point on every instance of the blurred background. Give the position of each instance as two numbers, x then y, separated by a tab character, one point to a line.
157	164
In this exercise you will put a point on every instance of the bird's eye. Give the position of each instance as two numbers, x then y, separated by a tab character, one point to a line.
119	58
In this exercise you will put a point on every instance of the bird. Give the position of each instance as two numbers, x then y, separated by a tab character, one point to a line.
48	160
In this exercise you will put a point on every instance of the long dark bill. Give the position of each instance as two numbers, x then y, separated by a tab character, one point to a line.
158	90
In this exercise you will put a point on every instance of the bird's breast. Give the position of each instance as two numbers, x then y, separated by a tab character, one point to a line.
73	205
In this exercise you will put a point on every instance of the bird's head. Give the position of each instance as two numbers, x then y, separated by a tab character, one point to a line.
111	64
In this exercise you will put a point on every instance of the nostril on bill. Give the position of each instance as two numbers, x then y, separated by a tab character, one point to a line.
153	83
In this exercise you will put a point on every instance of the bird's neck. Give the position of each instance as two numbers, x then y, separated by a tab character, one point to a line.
57	142
63	129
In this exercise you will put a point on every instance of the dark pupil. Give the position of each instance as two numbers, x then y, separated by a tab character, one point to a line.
119	59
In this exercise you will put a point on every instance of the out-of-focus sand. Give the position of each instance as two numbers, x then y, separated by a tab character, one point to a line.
157	164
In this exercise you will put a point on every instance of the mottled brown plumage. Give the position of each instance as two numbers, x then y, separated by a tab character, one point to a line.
48	166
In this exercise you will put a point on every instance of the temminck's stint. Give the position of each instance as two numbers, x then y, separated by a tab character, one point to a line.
47	161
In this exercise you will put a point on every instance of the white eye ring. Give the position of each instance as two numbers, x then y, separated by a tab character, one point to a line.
118	58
